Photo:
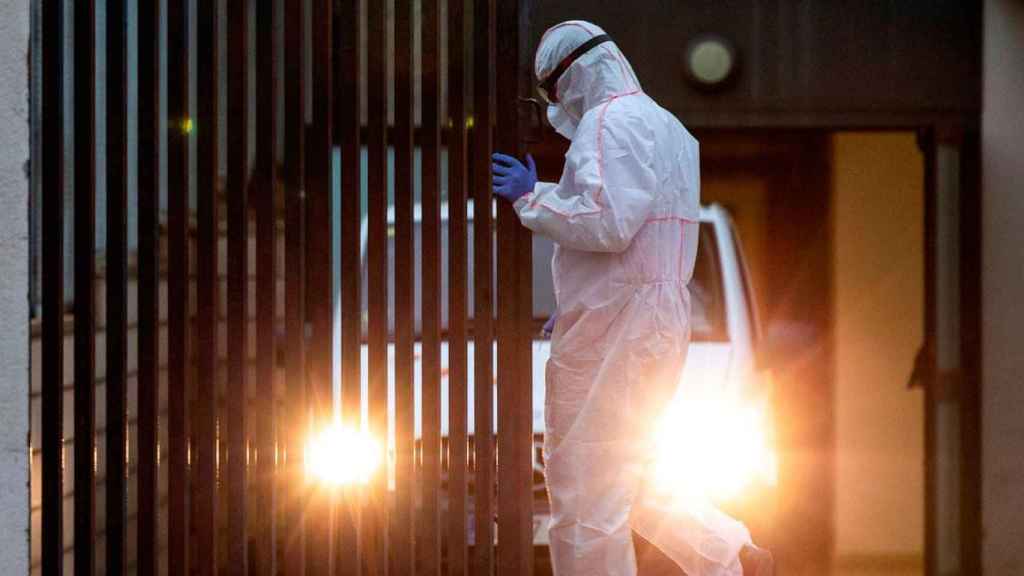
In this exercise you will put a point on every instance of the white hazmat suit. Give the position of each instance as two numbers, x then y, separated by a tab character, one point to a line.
624	218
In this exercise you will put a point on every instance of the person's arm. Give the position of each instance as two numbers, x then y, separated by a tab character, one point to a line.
606	191
549	326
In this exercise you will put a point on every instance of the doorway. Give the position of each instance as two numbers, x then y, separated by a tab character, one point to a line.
833	227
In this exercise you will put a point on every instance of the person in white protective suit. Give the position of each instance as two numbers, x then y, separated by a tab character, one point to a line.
624	219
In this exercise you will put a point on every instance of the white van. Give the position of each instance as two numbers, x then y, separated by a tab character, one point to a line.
721	375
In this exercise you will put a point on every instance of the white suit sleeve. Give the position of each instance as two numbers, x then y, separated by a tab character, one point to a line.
606	192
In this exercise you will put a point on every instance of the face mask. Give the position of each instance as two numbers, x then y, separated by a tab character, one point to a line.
562	121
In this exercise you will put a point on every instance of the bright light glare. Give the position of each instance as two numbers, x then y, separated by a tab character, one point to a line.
341	456
712	448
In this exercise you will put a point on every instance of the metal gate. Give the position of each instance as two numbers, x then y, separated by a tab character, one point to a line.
237	314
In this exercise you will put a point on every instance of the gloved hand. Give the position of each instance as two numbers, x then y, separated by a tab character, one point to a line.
511	179
549	326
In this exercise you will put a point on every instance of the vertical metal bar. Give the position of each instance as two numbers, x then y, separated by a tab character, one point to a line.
178	348
265	416
53	289
926	141
117	274
52	205
527	328
457	255
507	335
319	270
523	404
349	134
148	283
319	179
524	400
430	540
348	115
484	83
343	560
970	339
377	272
85	286
944	396
238	282
515	410
205	423
292	530
401	548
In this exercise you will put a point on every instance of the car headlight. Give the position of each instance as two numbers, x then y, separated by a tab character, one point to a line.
340	456
713	446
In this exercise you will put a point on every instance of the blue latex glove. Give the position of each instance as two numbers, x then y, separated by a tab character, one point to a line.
511	179
549	326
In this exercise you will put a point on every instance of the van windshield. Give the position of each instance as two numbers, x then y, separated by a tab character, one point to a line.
706	293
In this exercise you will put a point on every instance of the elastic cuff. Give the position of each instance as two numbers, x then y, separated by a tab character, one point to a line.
522	201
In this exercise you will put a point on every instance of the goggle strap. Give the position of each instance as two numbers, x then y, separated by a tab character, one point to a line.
549	83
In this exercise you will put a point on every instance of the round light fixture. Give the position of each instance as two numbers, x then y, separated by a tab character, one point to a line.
710	61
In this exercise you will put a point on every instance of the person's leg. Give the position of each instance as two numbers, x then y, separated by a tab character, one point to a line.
590	533
589	488
597	501
690	530
698	537
604	392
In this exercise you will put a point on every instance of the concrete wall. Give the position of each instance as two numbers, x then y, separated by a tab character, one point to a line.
1002	288
879	291
14	283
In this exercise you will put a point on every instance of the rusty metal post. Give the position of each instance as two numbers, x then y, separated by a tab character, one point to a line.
349	105
85	286
265	415
515	311
52	271
238	284
147	548
179	131
400	549
483	337
375	517
320	292
293	533
457	309
117	290
429	541
204	496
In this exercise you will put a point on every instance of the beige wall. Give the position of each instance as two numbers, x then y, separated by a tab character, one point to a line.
879	293
1003	288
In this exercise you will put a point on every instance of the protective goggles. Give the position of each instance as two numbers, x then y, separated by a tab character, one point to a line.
548	87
